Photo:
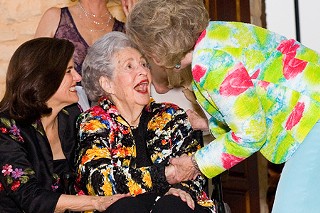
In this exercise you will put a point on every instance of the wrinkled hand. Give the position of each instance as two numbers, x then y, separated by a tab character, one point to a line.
185	197
103	202
183	168
171	176
127	5
197	122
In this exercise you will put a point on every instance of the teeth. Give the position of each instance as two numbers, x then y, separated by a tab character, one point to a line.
72	89
142	87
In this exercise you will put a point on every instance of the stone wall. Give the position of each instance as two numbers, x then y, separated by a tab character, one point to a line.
19	20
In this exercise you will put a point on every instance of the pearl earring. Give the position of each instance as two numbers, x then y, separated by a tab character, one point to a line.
177	66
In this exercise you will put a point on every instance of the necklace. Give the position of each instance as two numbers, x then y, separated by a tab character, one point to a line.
134	121
91	14
90	17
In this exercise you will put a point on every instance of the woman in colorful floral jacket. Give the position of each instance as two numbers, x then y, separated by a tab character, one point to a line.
127	139
260	89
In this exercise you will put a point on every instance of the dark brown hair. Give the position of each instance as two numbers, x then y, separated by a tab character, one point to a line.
34	74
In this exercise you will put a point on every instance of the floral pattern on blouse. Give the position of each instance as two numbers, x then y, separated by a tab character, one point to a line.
11	129
107	151
261	90
15	176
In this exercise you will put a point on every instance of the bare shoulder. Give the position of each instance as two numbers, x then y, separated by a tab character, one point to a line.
48	22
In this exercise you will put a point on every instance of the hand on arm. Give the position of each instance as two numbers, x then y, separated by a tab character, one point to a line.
186	197
184	168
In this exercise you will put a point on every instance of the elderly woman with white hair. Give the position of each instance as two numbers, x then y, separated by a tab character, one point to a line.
127	139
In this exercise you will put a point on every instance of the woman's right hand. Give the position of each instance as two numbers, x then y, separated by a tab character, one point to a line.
186	197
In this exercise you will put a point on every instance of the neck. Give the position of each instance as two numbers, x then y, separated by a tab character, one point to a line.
95	8
49	122
131	113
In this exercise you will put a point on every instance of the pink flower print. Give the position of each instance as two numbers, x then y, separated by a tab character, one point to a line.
292	67
7	169
235	138
203	34
288	47
255	74
229	160
236	82
17	173
3	130
263	84
295	115
198	72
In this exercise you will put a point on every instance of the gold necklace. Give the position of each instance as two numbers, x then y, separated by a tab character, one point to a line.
132	122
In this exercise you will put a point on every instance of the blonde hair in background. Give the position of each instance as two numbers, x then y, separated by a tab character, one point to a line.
167	29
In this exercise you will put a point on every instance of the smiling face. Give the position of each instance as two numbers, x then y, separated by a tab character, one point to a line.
66	93
130	84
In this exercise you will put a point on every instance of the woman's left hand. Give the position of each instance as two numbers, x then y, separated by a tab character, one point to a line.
186	197
127	5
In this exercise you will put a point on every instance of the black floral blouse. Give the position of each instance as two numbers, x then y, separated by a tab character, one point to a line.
28	182
107	154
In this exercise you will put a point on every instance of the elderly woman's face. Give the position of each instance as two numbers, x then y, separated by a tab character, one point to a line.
131	78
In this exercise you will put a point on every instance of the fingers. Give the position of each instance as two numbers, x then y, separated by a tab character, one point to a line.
184	196
183	168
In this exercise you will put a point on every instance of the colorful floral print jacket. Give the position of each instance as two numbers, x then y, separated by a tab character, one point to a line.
107	150
261	89
27	179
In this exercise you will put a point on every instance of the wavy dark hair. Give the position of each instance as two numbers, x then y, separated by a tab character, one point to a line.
34	74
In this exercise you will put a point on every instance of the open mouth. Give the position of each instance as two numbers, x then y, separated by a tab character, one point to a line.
72	89
142	87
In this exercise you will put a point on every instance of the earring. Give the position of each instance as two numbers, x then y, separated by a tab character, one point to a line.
177	66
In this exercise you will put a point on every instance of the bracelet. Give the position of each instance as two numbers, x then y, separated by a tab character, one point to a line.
195	164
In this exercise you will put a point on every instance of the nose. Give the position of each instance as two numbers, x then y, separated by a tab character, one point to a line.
76	76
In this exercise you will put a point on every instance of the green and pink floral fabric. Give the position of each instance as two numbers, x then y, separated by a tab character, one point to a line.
261	89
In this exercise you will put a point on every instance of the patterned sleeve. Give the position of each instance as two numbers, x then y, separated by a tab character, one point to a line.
170	135
222	81
105	159
18	180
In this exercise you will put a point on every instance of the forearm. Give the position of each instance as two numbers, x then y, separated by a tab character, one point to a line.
81	203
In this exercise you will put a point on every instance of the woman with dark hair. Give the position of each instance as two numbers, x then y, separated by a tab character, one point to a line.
37	131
